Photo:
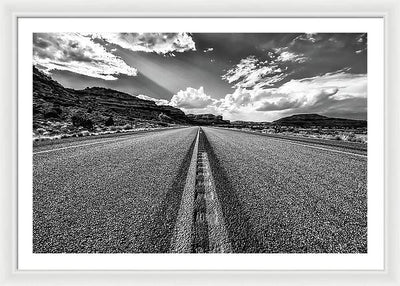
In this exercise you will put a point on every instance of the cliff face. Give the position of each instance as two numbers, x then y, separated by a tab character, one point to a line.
54	104
207	119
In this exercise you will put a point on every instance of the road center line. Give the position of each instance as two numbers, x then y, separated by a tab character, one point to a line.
217	234
181	238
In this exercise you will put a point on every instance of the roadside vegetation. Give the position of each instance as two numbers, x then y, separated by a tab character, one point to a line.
80	123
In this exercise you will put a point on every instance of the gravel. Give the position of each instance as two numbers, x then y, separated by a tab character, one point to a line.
279	197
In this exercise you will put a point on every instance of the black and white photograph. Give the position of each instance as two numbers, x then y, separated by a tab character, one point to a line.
199	142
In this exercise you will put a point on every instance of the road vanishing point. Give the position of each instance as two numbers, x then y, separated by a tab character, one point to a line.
199	190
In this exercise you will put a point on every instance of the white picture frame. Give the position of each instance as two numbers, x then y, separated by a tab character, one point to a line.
10	275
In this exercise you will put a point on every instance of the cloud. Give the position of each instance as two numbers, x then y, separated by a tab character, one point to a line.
339	93
289	101
252	73
156	100
319	94
347	85
208	50
328	43
77	53
361	43
284	55
280	104
269	84
160	43
308	37
192	98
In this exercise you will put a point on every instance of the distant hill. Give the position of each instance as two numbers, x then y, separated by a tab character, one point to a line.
309	120
55	107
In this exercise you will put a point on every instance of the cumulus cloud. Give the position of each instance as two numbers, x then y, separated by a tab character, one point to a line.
280	104
289	101
321	94
160	43
156	100
191	98
316	94
77	53
348	85
327	94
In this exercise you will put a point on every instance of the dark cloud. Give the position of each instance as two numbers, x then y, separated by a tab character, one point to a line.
352	108
281	104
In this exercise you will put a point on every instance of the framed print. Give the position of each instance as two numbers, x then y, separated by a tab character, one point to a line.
202	144
319	214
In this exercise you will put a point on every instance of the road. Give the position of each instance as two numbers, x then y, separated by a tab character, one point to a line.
282	196
109	195
271	195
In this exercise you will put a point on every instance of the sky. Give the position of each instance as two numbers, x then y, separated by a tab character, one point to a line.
241	76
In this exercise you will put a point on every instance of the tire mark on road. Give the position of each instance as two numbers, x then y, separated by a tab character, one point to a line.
162	226
217	234
181	239
81	145
243	238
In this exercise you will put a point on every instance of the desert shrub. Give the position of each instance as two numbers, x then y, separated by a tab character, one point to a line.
52	112
109	121
83	133
81	120
40	130
127	127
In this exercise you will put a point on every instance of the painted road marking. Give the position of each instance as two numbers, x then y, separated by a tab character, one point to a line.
200	225
307	145
81	145
200	237
181	239
217	234
320	148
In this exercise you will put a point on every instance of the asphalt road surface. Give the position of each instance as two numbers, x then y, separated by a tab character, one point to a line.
283	196
124	194
109	195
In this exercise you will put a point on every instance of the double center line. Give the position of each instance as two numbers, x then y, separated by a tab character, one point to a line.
200	226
